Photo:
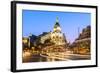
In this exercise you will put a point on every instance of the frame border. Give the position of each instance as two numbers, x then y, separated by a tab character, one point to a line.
13	35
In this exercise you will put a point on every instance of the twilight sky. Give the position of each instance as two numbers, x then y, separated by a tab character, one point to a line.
36	22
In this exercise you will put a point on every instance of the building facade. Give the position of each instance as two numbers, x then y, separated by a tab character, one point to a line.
55	36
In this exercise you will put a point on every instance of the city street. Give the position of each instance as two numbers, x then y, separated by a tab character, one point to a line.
63	56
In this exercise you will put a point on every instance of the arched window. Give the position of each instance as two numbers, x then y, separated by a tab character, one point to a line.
57	37
53	37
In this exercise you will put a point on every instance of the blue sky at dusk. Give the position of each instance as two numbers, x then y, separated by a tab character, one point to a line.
37	22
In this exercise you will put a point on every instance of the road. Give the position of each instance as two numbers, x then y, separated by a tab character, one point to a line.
55	57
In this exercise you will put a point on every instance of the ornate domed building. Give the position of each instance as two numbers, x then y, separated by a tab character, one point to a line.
57	36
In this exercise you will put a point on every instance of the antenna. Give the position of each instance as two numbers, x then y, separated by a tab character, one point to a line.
78	37
78	31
